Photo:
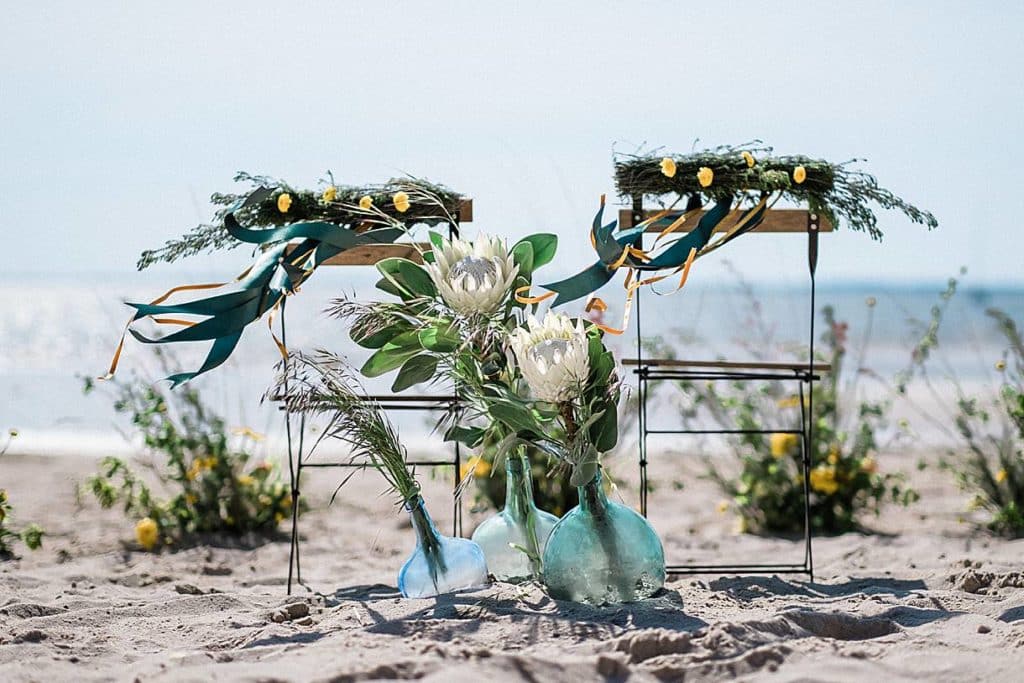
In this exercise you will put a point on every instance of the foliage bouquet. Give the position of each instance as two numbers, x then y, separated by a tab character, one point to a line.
452	323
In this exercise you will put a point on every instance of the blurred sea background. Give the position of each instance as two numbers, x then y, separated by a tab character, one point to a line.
56	330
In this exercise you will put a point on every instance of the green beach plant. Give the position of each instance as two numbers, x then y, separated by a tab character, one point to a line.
987	424
210	481
31	535
845	478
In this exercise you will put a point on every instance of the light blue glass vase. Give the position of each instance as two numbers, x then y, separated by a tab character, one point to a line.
439	564
513	540
603	552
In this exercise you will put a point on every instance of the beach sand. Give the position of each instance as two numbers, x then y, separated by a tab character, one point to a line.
929	598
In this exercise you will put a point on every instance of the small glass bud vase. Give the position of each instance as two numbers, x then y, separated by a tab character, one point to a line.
439	564
603	552
513	540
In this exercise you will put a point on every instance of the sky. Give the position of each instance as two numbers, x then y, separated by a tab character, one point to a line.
118	120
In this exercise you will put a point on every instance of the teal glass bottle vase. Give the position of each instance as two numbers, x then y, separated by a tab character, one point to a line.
603	552
439	564
514	539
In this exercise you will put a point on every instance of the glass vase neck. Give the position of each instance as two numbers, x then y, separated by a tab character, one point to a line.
518	485
427	534
592	495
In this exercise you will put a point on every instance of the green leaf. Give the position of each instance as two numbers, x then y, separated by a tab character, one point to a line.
380	337
582	473
439	339
470	436
386	285
392	355
436	239
514	415
417	369
544	247
522	255
409	277
604	433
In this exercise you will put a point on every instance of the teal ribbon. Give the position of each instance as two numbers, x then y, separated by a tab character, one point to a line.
272	276
609	246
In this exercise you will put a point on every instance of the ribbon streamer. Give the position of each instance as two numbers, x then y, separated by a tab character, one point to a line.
277	272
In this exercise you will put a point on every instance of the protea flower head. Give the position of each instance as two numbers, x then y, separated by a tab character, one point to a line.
553	356
473	277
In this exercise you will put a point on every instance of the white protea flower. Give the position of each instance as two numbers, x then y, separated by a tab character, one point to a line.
552	355
473	277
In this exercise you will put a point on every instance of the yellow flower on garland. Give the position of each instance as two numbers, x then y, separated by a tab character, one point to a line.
749	158
284	202
147	533
705	176
799	175
823	480
668	167
783	444
330	194
365	202
401	201
1001	476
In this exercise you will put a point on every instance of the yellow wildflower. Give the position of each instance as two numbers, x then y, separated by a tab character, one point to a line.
869	465
740	526
210	462
749	158
366	201
823	480
783	444
401	201
1000	366
790	401
284	202
723	507
248	432
147	533
191	499
1001	476
705	176
278	517
330	194
833	455
668	167
477	467
246	480
194	470
799	175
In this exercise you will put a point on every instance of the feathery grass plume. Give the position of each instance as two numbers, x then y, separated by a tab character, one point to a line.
834	190
430	204
324	384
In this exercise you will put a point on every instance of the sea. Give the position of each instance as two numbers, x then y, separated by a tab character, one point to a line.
56	331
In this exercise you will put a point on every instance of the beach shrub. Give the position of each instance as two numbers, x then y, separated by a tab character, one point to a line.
846	480
210	480
987	425
31	535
